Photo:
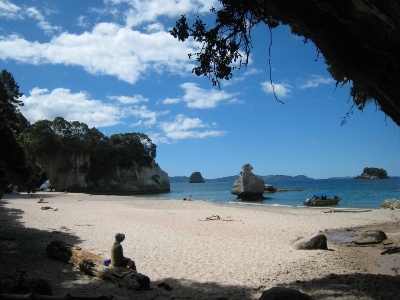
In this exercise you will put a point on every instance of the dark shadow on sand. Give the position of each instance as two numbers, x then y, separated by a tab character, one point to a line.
350	286
19	246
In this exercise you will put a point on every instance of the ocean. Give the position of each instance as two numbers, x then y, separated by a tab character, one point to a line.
354	193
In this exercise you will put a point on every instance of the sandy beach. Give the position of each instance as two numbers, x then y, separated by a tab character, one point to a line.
247	251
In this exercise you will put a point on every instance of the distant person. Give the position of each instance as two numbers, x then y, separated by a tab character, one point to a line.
41	200
117	254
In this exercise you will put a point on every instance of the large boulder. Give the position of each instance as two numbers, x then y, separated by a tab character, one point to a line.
318	242
370	237
391	204
248	186
196	178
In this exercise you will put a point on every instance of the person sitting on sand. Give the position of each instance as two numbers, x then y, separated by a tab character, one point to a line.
41	200
117	254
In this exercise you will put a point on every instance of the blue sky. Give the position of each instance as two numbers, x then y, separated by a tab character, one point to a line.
113	65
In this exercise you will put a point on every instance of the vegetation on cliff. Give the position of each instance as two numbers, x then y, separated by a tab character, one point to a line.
22	144
74	139
373	173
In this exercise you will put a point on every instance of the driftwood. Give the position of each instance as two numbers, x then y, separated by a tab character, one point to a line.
93	264
216	218
391	250
347	210
45	297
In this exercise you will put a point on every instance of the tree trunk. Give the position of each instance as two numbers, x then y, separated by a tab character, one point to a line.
93	264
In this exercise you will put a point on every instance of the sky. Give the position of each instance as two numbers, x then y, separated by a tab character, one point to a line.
113	65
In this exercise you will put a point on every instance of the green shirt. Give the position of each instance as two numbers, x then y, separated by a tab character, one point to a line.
117	254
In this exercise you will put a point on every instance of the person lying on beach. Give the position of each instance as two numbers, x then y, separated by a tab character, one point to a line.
117	254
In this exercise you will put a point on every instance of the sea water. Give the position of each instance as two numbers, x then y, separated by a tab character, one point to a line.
354	193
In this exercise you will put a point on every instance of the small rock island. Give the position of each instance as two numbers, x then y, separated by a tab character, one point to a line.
196	178
373	173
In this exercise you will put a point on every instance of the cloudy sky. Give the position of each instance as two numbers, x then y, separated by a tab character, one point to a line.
113	65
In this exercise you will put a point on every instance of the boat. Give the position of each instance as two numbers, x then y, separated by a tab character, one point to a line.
321	199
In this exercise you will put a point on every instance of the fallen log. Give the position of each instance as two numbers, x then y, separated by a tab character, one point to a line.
93	264
45	297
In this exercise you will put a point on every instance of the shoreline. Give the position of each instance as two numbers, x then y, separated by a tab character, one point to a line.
239	256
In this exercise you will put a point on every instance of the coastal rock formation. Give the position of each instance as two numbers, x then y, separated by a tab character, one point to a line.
314	243
390	203
71	174
370	237
373	173
269	188
248	186
196	178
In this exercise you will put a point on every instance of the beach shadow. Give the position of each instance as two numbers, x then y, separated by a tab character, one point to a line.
23	249
350	286
168	288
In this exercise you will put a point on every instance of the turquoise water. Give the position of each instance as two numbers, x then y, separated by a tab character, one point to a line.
354	193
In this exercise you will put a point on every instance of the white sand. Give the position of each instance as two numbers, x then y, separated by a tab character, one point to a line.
238	257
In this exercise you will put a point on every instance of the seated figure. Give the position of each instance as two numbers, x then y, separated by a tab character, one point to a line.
117	254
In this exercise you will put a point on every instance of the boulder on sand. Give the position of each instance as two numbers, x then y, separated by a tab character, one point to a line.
370	237
391	204
318	242
248	186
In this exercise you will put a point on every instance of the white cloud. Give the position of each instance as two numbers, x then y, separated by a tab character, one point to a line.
108	49
196	97
144	113
34	13
149	11
171	101
183	128
129	100
83	22
44	104
154	27
9	10
315	81
281	90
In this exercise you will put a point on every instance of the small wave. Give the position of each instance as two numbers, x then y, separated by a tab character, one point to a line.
259	204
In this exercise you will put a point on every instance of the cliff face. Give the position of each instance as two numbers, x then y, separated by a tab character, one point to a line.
71	174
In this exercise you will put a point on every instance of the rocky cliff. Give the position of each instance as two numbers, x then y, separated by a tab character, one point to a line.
71	174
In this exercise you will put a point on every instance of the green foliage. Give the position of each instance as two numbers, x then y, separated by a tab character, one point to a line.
223	45
380	173
17	161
